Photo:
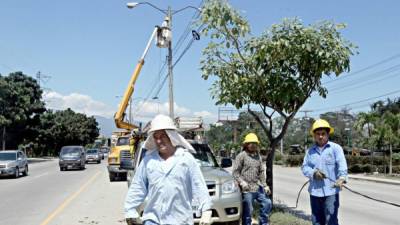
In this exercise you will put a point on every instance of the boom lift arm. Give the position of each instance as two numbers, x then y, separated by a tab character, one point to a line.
120	114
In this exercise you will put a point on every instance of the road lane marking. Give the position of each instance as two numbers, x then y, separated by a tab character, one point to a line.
69	200
40	175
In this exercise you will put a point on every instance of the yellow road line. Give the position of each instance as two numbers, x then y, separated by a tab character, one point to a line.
68	200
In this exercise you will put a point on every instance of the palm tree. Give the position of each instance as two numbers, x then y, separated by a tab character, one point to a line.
365	119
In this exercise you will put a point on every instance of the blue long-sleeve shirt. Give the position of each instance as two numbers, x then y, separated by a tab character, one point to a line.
169	187
331	161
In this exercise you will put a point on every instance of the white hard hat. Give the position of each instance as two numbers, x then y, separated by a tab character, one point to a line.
162	122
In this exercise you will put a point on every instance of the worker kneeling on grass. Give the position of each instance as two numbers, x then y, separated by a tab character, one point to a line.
325	165
249	172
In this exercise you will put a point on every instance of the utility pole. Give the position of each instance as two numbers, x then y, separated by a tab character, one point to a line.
168	13
41	77
170	75
305	127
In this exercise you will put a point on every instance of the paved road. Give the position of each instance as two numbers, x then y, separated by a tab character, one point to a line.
354	209
49	196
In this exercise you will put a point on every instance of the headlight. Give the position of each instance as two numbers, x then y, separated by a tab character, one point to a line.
229	187
61	159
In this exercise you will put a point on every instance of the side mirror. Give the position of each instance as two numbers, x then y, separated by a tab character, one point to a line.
226	162
127	164
19	158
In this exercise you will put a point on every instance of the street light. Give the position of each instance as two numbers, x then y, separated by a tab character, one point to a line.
168	25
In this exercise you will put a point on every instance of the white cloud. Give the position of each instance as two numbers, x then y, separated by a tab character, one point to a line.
79	103
141	111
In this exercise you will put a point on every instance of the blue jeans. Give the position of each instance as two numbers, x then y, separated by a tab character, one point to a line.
325	210
265	207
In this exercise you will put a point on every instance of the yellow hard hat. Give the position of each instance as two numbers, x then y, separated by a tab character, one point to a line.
251	138
320	123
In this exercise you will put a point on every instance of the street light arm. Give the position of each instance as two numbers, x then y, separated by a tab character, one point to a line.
134	4
187	7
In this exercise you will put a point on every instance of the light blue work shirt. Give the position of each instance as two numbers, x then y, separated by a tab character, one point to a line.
331	161
169	187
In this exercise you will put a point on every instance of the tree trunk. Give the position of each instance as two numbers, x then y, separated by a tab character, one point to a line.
390	159
269	168
4	138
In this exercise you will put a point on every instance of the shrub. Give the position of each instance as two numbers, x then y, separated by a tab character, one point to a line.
294	160
278	156
396	169
356	168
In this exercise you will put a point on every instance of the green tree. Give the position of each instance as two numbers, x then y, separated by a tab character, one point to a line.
62	128
387	133
4	121
278	70
365	120
21	106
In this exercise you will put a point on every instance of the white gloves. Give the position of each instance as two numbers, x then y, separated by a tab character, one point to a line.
267	190
244	185
206	218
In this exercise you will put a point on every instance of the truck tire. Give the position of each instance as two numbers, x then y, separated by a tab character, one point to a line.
112	177
124	177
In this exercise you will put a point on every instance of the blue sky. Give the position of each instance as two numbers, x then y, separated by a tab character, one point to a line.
90	48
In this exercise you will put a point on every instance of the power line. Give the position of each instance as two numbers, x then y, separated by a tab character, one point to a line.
356	102
364	78
357	85
176	62
183	37
364	69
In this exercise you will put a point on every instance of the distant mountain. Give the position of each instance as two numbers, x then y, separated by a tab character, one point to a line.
106	125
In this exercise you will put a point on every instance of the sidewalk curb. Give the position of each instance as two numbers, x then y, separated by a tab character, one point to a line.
377	180
39	160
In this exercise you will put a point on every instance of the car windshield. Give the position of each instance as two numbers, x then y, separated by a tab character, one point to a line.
123	141
70	152
204	156
92	151
8	156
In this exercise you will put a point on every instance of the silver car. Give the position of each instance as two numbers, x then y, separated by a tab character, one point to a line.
12	163
92	155
224	192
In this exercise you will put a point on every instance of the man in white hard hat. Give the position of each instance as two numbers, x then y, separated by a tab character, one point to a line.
169	178
325	165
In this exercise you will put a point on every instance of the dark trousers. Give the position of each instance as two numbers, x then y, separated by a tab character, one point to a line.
265	207
325	210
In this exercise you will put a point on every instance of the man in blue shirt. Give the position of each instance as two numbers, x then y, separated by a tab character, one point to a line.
170	180
325	165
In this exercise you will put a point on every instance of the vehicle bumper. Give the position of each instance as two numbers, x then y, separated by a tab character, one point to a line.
7	171
92	159
225	209
70	164
115	169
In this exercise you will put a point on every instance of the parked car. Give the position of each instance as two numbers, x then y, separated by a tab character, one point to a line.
224	192
93	155
72	157
12	163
